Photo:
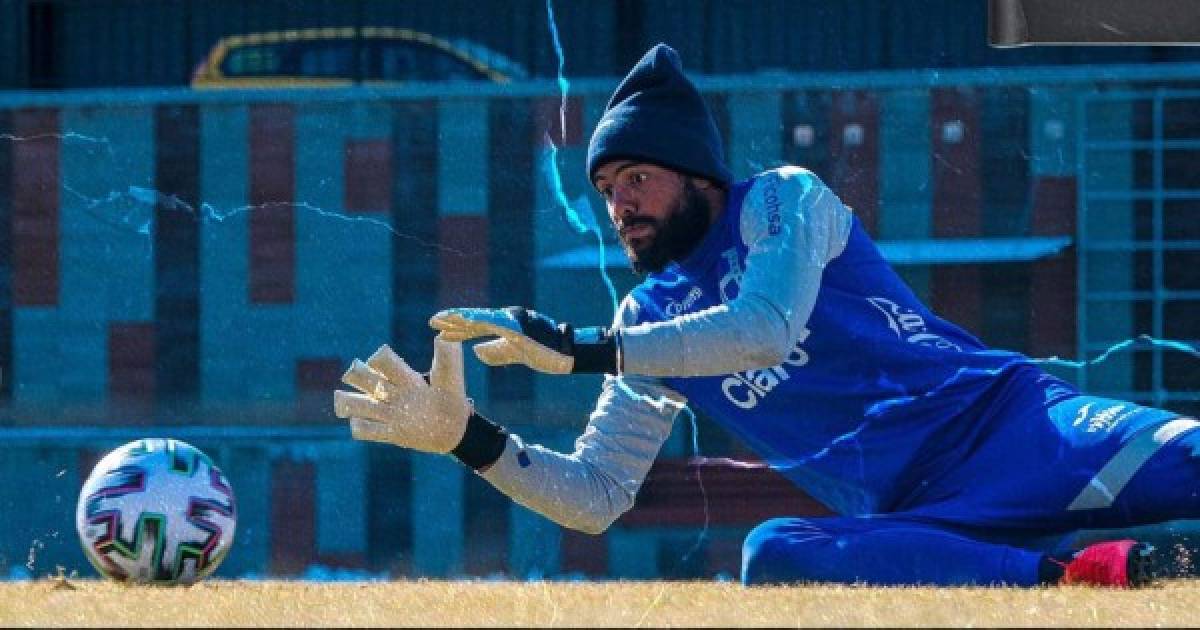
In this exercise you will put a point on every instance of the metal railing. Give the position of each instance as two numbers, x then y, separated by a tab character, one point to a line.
1117	210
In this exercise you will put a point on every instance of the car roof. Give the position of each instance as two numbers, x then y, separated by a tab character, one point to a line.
489	63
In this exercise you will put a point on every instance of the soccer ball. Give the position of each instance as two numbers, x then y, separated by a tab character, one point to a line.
156	511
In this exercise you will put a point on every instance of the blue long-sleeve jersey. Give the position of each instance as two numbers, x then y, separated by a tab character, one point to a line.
786	326
874	385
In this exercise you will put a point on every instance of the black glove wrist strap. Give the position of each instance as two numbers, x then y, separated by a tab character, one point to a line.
482	443
595	350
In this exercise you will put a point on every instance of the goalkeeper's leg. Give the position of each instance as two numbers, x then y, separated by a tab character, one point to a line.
882	550
897	550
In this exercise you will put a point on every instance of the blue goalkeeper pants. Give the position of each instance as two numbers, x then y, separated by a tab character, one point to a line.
1045	463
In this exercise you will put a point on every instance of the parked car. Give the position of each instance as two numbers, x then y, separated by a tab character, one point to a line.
330	57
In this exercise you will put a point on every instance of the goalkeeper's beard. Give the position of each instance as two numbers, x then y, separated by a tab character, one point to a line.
676	236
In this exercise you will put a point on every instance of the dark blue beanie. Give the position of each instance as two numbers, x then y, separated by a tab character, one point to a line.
657	115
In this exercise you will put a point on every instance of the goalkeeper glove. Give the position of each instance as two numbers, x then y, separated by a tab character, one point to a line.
397	406
532	339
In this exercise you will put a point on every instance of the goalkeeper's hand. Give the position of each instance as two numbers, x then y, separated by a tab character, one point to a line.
532	339
397	406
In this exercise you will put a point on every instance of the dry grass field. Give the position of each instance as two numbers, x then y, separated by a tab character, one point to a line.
597	604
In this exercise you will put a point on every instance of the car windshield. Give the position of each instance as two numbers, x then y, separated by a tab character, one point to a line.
399	60
321	59
258	60
386	60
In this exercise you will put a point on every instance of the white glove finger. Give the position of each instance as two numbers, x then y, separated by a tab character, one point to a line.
450	321
446	373
543	359
393	368
370	382
455	335
535	355
351	405
464	331
498	352
362	377
475	322
363	429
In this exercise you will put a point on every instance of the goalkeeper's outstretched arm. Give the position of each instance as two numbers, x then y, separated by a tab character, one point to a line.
591	487
586	489
792	226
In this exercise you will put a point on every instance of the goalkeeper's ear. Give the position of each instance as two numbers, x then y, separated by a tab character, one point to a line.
446	373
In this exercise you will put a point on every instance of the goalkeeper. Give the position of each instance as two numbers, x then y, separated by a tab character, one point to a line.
765	304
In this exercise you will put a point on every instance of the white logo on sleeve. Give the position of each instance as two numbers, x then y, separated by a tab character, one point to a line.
746	389
731	282
770	199
1082	415
910	326
675	309
1105	419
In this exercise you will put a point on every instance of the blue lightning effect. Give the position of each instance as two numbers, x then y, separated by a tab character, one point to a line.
142	201
564	86
69	136
583	220
698	461
1140	340
579	213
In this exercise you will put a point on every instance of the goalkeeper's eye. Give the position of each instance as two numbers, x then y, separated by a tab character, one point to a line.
633	179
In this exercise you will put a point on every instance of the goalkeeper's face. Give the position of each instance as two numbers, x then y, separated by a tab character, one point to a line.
659	214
